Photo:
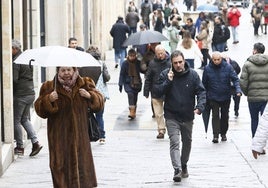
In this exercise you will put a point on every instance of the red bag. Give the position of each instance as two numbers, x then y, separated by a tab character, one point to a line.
199	44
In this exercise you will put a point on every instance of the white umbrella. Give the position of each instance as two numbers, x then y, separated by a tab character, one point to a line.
56	56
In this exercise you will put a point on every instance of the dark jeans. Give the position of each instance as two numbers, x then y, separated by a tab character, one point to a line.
132	98
255	109
220	117
256	26
206	57
236	100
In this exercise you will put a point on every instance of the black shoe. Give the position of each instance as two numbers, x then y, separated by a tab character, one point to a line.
36	149
160	136
177	176
223	138
116	65
184	173
215	140
236	113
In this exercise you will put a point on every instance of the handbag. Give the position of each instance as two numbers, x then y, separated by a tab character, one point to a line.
93	127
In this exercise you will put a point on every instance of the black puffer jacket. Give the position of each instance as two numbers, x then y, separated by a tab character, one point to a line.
155	67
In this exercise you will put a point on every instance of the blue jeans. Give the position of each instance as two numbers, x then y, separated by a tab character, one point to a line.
99	117
176	128
119	54
219	47
191	62
255	109
22	105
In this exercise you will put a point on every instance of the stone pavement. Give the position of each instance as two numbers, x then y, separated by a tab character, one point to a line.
133	157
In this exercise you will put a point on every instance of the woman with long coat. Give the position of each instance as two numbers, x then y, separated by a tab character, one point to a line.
64	101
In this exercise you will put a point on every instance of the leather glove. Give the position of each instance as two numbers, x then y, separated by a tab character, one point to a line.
120	89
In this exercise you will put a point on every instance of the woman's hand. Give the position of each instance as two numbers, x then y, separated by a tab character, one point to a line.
84	93
53	96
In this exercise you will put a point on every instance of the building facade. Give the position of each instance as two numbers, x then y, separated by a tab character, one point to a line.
47	22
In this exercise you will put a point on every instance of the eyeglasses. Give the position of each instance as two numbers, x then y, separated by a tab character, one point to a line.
176	62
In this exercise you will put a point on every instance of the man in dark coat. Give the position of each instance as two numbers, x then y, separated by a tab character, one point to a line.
217	78
118	32
160	62
180	85
146	10
132	19
23	95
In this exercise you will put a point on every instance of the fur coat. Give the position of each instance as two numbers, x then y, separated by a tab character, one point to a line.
71	160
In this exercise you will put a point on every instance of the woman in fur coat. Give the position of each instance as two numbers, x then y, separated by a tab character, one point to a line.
64	101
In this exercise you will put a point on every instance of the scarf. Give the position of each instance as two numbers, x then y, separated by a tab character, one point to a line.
132	72
68	84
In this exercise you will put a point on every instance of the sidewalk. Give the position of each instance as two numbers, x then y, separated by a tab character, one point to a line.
133	157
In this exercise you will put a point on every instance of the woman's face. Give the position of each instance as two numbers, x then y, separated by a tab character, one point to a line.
66	73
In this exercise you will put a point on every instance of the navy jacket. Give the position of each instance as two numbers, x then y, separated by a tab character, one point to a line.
217	81
118	32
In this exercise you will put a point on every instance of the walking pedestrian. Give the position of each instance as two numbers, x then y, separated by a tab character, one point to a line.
23	98
217	78
204	37
260	138
233	17
254	83
237	70
180	85
256	14
118	32
64	102
101	78
189	48
131	80
132	19
221	34
160	62
173	34
146	10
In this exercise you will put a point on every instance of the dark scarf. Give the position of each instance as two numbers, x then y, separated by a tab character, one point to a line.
132	72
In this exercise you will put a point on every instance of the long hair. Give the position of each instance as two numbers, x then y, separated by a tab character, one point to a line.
187	39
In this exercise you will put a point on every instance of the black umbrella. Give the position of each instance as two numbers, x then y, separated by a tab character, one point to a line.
145	37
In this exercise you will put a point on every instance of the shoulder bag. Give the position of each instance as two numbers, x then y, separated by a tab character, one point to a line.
93	127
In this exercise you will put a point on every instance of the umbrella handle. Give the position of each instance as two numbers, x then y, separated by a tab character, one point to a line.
55	82
30	62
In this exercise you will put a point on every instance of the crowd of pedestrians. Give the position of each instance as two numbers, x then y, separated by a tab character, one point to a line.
176	91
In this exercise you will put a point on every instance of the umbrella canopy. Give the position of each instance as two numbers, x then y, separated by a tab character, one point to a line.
207	8
144	37
56	56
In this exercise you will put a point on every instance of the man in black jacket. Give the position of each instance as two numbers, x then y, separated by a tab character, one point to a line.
24	96
180	85
160	62
118	32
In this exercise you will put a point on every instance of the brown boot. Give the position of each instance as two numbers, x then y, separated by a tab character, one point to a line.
132	112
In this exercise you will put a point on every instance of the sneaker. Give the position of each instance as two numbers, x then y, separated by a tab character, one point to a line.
102	141
36	149
160	136
177	176
263	152
215	140
184	173
19	151
223	138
